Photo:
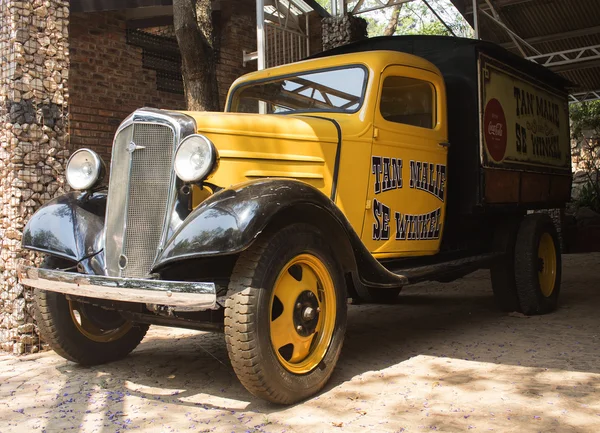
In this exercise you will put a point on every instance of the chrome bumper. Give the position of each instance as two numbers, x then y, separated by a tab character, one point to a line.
173	293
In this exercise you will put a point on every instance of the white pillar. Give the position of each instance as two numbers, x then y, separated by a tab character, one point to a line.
260	33
475	19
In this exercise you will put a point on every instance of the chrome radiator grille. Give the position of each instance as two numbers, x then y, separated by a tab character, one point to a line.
149	187
139	191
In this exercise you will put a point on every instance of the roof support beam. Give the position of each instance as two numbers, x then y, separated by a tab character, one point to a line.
439	18
499	5
592	95
318	8
510	32
381	5
568	57
557	36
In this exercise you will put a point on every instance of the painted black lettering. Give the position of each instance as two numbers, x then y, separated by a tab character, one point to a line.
386	184
414	174
431	225
377	224
436	232
432	183
376	164
393	174
442	183
400	226
385	229
523	102
398	173
424	184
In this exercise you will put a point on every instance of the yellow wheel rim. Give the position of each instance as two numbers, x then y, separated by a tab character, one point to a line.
547	264
302	314
92	330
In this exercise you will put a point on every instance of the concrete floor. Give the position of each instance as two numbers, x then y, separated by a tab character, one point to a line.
442	358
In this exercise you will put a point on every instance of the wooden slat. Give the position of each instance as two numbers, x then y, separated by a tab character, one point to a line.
523	188
501	186
535	188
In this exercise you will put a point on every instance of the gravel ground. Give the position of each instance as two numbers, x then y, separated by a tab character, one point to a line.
442	358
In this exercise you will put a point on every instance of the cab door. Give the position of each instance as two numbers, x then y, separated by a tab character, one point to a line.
406	201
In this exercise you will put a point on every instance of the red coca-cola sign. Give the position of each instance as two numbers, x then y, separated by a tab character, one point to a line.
494	130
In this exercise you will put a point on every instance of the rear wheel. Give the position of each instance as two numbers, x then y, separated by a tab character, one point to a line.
286	319
537	265
82	332
502	270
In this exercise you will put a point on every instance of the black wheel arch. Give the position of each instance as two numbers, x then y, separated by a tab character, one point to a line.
69	227
231	220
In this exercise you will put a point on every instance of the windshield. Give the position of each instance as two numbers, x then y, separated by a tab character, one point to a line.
339	90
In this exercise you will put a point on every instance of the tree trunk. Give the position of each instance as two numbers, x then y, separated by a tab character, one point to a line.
194	31
390	29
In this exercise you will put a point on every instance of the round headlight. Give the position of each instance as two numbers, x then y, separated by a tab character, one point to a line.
85	169
196	159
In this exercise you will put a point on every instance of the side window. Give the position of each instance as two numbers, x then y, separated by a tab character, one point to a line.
408	101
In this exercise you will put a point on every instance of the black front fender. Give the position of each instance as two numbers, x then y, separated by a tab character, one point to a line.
229	221
69	226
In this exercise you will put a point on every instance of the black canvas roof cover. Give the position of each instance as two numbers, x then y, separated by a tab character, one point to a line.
441	50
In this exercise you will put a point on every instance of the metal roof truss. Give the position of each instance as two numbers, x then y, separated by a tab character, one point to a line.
559	60
567	57
584	96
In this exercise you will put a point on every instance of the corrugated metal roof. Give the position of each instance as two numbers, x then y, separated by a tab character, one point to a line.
549	26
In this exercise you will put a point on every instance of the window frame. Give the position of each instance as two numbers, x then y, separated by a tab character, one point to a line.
361	101
433	113
416	73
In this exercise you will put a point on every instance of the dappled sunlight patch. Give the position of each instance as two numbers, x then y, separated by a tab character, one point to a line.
215	401
152	390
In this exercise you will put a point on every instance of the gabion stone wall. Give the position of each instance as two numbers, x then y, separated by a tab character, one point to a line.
343	30
34	57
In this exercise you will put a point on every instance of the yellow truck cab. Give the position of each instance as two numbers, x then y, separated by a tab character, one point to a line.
348	175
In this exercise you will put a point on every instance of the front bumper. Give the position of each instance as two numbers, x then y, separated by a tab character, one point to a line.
172	293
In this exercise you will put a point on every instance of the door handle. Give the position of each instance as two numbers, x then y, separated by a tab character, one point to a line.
445	144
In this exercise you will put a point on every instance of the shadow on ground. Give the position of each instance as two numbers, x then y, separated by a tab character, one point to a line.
455	321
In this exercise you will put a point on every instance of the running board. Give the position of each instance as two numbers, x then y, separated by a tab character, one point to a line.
437	271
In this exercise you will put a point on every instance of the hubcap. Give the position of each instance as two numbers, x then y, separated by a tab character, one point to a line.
302	314
98	324
547	264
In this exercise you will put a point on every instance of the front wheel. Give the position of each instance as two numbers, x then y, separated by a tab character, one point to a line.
286	319
82	332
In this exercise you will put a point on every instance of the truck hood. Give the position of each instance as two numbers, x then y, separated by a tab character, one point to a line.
297	127
254	146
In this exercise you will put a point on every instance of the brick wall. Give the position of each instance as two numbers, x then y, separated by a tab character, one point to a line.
107	81
238	33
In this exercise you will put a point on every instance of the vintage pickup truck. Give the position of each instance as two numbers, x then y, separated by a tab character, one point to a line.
348	175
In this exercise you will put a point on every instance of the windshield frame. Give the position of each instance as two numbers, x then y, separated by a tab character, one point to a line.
234	91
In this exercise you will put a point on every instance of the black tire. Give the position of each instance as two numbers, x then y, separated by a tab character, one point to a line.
528	265
248	315
502	271
383	296
58	328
